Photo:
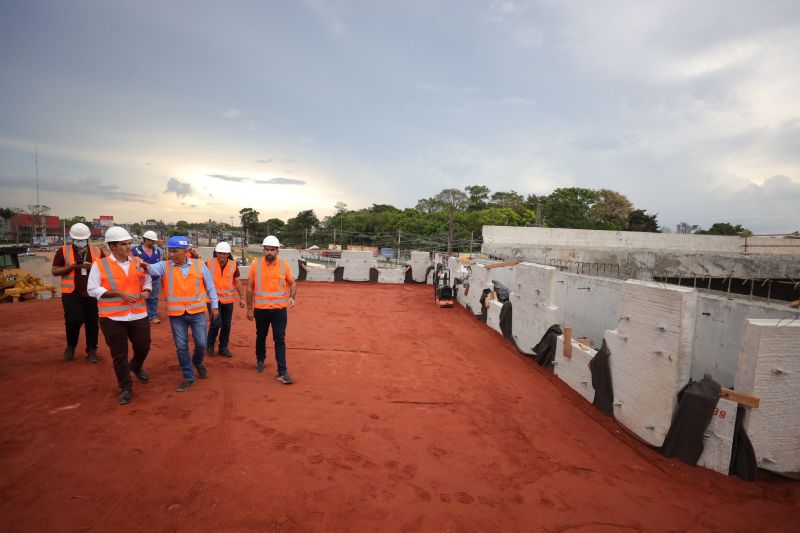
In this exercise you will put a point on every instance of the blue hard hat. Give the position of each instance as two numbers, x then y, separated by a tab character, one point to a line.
178	242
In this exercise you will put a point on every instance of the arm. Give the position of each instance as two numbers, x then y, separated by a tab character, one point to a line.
292	292
59	267
251	280
210	289
155	270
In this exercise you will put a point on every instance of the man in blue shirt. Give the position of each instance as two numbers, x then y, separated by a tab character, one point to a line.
186	305
150	253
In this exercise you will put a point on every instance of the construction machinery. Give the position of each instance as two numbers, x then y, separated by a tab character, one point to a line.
17	283
442	291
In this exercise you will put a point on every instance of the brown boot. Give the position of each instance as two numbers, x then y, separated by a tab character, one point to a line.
69	353
91	355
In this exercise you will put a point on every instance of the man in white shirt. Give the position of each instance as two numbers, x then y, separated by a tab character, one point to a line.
121	286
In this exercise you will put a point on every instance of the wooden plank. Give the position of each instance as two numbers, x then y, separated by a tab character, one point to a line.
505	263
795	304
567	341
744	399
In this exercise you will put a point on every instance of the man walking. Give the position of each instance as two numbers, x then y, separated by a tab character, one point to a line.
150	253
271	289
72	263
188	287
226	276
121	286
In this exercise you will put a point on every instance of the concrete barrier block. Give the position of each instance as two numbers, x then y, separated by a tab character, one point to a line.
574	371
769	367
358	270
651	355
391	275
718	438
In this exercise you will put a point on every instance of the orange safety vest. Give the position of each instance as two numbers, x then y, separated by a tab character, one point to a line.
114	278
223	280
185	295
68	280
272	291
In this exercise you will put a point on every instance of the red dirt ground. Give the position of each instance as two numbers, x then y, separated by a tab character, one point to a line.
403	417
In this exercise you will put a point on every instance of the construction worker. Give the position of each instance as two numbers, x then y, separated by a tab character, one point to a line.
121	286
227	279
188	287
72	263
151	253
271	290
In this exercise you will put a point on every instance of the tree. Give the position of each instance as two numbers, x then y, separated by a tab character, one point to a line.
509	199
305	220
612	208
136	228
249	218
454	200
725	228
570	207
478	197
685	227
340	207
639	220
428	206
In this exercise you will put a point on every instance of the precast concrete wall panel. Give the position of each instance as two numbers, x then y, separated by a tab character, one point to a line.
769	367
651	355
537	283
588	304
718	438
718	333
391	275
357	264
574	371
493	315
419	263
291	255
530	320
319	274
477	282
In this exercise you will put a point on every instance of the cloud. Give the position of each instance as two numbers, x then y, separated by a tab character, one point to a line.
89	186
280	181
232	113
180	188
288	160
226	178
265	161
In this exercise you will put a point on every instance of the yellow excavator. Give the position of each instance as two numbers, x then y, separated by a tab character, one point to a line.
17	283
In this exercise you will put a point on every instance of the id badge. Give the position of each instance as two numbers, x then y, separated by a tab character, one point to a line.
83	272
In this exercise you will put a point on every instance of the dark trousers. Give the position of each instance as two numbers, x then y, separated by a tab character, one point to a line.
117	335
277	318
80	311
221	325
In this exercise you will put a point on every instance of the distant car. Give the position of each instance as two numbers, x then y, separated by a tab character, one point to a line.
43	249
28	253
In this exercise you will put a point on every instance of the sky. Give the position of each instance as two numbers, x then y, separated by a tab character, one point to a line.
194	110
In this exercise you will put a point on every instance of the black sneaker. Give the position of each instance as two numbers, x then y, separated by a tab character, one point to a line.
125	397
210	349
259	366
285	378
141	375
202	372
224	352
91	355
69	353
183	387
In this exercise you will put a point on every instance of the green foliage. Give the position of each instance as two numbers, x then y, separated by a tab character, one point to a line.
477	197
570	207
639	220
725	228
249	219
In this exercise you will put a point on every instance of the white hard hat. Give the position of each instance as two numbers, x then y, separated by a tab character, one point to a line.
80	232
223	247
117	234
151	235
271	240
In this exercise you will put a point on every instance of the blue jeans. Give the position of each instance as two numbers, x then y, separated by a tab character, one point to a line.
152	301
221	326
180	334
277	318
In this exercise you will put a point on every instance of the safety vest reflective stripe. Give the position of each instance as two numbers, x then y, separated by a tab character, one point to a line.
68	281
265	299
185	303
223	282
131	282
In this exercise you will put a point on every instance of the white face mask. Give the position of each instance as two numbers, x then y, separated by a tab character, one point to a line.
80	243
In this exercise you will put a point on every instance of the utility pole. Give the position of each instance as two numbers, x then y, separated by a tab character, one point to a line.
306	238
209	232
399	230
471	238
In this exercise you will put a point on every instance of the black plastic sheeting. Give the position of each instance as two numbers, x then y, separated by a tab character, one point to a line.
373	274
301	270
743	457
501	291
696	403
601	381
338	274
546	349
484	310
506	322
